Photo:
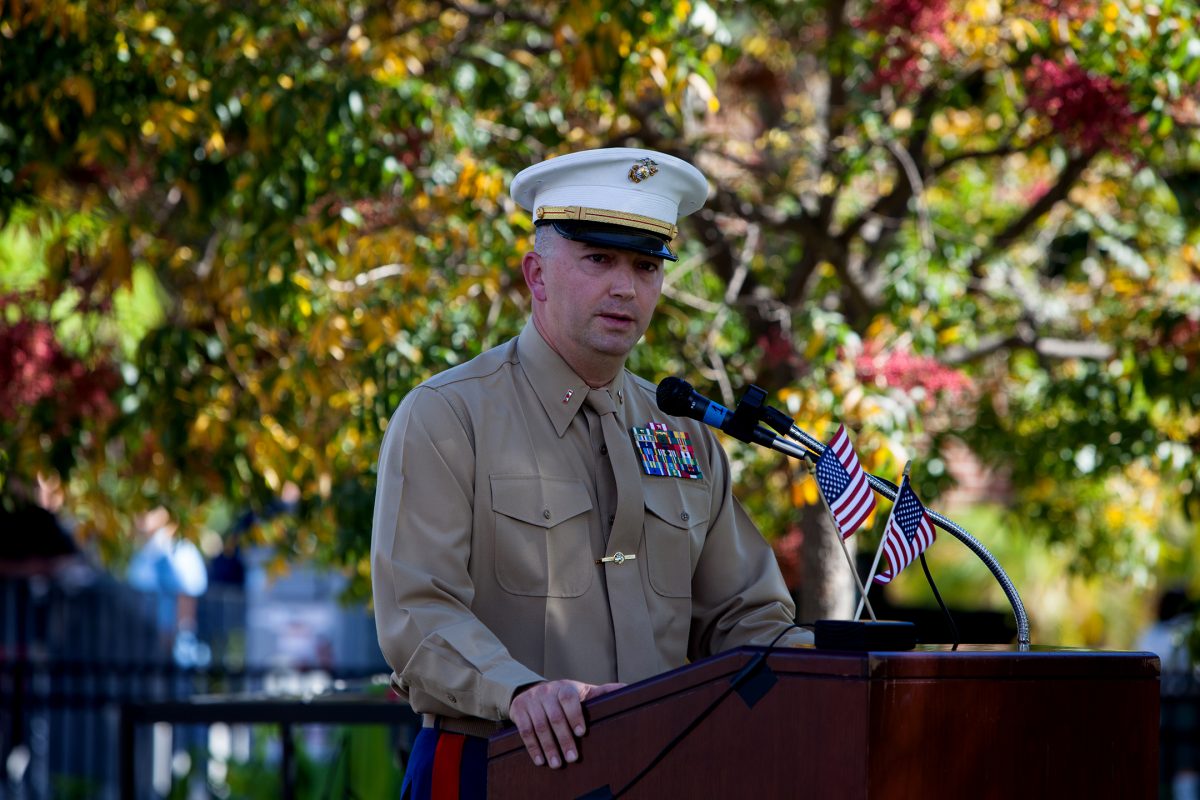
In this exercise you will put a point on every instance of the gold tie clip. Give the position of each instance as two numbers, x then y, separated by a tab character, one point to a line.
617	558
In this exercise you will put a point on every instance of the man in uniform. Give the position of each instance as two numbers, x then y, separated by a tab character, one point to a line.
543	534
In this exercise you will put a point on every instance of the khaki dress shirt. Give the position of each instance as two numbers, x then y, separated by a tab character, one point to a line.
493	505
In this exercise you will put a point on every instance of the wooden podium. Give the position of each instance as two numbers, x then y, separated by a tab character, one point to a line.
982	722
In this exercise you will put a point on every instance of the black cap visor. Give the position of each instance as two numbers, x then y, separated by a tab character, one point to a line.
617	237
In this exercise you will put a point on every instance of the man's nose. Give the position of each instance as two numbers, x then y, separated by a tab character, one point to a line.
623	284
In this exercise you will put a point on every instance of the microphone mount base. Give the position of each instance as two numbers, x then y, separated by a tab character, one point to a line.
863	635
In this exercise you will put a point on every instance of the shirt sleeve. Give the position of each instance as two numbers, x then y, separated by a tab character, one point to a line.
445	660
738	593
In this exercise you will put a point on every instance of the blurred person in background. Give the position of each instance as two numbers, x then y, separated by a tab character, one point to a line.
1167	637
171	568
36	539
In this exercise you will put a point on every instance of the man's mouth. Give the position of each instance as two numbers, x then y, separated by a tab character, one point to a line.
617	322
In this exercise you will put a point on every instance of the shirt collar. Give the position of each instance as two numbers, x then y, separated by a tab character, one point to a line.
560	390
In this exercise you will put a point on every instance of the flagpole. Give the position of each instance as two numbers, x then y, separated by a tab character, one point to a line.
871	576
882	539
842	541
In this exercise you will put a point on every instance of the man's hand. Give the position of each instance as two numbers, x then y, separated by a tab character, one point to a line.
550	715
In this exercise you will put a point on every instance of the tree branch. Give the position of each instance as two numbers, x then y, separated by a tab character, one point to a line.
1025	338
996	152
918	190
1003	240
503	11
895	202
364	278
835	109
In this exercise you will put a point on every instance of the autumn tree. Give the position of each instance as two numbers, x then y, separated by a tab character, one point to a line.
977	208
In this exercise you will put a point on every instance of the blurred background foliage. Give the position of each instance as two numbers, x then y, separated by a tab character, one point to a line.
233	237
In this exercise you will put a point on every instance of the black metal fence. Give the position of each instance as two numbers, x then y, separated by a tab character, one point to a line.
74	652
1179	736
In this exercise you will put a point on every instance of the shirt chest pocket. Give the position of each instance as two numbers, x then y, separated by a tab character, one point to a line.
542	540
676	521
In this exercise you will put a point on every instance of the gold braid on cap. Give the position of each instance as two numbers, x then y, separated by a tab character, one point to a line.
623	218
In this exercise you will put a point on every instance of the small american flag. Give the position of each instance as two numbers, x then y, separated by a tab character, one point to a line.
908	533
843	482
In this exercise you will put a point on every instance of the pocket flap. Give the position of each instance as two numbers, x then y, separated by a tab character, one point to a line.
539	500
679	503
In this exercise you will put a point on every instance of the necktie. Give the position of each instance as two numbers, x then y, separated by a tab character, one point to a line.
623	564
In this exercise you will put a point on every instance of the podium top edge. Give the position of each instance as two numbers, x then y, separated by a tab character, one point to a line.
976	661
930	661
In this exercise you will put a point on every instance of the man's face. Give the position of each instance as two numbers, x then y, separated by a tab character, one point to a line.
592	303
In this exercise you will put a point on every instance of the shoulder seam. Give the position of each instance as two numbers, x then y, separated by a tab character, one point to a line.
443	380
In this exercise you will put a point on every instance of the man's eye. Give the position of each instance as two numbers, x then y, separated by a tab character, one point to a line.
648	266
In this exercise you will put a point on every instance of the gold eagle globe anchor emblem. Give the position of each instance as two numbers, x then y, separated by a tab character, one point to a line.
642	170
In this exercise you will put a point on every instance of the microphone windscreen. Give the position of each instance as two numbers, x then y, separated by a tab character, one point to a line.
674	396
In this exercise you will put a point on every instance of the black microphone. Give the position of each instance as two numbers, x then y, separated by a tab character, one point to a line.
676	397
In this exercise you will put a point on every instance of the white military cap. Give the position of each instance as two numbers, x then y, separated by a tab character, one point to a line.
621	197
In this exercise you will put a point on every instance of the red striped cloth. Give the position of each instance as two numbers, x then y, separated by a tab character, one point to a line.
447	766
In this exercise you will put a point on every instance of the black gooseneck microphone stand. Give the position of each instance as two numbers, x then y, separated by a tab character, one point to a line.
745	425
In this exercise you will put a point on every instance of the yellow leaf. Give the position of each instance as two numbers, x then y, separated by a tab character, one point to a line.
810	492
978	10
870	520
950	335
798	493
80	89
1114	515
50	120
1024	31
88	149
815	343
215	143
902	119
118	261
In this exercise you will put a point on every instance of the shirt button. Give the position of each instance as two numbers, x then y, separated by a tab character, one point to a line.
610	519
603	449
546	513
684	516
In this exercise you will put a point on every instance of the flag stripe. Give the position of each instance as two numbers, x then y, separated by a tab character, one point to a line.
856	498
855	516
854	494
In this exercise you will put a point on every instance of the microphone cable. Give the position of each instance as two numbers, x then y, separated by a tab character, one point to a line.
938	596
743	675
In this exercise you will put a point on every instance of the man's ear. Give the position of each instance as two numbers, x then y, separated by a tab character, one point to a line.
535	275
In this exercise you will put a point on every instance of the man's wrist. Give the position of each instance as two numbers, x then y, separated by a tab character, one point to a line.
522	688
